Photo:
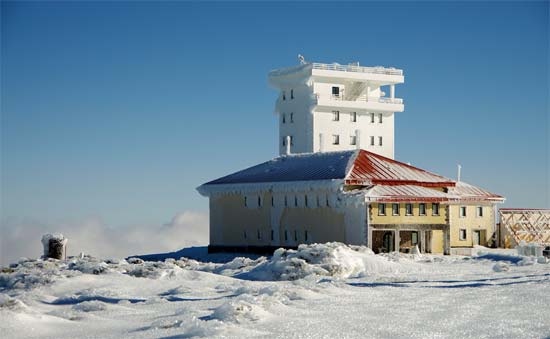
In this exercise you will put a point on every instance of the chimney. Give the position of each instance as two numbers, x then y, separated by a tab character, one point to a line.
459	167
287	151
321	145
358	138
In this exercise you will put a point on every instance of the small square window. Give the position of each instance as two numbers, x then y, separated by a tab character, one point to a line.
395	209
379	141
380	118
306	237
291	117
372	118
381	209
409	209
479	211
245	202
353	116
422	209
335	91
284	95
462	234
435	209
462	212
295	201
295	235
353	140
272	235
305	200
286	235
259	201
372	141
335	139
335	115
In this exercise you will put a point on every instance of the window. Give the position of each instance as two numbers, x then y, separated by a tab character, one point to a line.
479	211
379	141
353	116
372	118
286	201
335	91
295	201
272	201
372	141
284	141
284	95
295	235
306	238
422	209
395	209
244	234
352	140
414	238
462	212
245	202
409	209
335	115
291	140
435	209
259	201
318	201
291	117
335	139
462	234
381	209
379	118
272	235
327	201
259	235
305	200
291	94
284	118
286	235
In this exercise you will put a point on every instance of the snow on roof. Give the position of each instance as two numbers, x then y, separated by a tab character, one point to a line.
397	193
467	191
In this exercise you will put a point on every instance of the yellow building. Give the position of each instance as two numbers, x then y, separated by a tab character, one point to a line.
355	197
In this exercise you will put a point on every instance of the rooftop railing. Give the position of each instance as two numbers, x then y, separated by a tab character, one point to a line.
383	100
358	69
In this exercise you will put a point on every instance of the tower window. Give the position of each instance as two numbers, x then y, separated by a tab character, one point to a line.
380	118
335	115
284	95
352	140
379	141
335	139
372	118
284	118
371	141
291	94
335	91
291	117
353	116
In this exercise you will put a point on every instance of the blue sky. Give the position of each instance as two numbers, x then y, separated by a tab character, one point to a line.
118	110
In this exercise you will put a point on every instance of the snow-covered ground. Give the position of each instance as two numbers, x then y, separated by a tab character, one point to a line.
320	291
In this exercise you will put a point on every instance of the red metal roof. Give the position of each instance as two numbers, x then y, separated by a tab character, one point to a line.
371	169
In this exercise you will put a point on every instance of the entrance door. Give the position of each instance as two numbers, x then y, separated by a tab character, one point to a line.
477	237
388	241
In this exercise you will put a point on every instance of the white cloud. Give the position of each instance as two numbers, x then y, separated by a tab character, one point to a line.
21	238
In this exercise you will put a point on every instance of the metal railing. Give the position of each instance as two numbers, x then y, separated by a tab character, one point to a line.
357	69
363	98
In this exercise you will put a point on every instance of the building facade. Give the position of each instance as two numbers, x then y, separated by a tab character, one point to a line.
332	107
355	197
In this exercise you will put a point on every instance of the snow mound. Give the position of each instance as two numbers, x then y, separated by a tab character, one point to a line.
12	304
244	308
189	328
330	259
501	267
90	306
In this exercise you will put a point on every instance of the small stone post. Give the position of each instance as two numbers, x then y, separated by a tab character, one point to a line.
54	246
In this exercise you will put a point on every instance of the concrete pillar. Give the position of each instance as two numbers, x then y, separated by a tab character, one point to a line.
397	240
422	241
392	91
446	241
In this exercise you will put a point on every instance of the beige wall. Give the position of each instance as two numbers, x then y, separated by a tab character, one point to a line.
230	218
470	223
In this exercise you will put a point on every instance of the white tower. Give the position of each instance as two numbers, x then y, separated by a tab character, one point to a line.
332	107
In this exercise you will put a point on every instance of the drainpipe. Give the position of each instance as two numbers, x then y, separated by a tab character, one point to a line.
287	150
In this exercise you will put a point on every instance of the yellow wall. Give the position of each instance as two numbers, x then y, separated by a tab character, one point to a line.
402	218
437	242
471	222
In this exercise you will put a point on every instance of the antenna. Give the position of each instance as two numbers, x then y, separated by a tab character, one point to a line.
301	58
459	168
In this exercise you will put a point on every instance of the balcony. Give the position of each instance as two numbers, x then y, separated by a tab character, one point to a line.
378	104
358	69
